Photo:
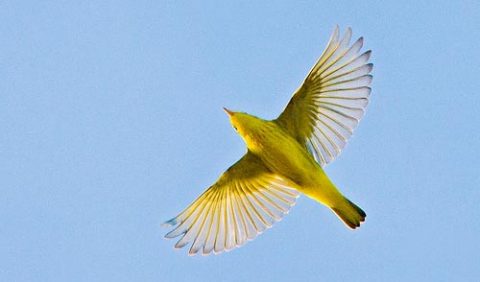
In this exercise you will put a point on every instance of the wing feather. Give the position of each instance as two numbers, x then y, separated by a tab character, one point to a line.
326	109
245	201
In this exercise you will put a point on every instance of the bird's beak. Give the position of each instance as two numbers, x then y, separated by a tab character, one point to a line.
229	113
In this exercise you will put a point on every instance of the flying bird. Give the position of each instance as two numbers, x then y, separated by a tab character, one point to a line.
285	156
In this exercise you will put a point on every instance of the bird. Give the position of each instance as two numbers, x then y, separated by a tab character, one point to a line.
285	156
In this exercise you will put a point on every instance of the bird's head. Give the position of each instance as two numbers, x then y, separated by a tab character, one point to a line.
243	123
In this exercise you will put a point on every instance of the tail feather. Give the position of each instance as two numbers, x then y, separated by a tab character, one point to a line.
351	214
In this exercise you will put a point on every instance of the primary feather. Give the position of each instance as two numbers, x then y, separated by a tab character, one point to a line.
246	200
325	110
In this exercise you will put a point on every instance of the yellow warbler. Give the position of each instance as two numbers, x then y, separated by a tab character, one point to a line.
284	156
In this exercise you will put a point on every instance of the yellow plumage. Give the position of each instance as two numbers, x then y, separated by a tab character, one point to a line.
284	156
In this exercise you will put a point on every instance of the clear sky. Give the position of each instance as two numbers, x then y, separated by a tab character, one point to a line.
111	122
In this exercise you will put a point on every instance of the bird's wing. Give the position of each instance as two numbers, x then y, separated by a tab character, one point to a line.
325	110
245	200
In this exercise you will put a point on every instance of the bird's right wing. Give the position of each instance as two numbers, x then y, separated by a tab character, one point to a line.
244	201
325	110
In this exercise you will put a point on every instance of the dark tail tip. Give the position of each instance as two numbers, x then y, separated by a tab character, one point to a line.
350	214
358	209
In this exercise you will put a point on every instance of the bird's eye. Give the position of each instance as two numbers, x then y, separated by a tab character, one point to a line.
235	128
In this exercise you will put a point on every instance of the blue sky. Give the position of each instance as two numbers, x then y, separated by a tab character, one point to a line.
112	122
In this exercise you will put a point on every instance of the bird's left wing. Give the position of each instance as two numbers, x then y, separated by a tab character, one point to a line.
325	110
245	200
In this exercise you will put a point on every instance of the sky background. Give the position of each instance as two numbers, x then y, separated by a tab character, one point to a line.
111	122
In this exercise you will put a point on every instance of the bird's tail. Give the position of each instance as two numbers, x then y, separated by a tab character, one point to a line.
351	214
327	194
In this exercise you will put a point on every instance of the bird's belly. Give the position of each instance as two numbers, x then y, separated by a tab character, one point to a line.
283	155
